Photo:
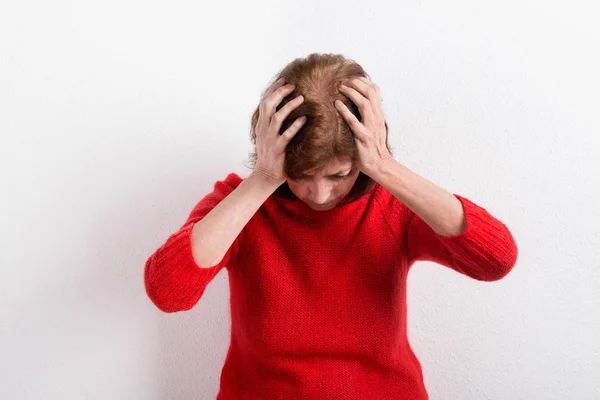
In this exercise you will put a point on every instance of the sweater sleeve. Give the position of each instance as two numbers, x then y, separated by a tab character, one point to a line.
172	278
485	251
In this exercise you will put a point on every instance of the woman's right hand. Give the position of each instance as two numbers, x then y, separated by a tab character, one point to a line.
270	145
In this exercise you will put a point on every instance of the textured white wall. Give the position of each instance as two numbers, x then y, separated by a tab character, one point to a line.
117	117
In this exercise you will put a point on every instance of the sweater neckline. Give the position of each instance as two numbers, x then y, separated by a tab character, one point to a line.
299	207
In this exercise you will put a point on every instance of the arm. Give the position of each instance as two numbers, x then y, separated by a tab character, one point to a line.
177	273
214	234
446	228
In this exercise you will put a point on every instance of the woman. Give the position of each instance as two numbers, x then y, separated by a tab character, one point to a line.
318	241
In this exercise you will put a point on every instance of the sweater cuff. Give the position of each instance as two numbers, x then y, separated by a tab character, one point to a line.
174	281
485	242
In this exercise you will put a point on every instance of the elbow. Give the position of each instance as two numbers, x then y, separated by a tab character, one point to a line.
172	279
499	269
496	273
166	308
163	303
156	293
163	306
508	260
504	262
159	301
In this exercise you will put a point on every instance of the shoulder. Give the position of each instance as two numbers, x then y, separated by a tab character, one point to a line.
221	189
393	210
386	201
226	185
232	179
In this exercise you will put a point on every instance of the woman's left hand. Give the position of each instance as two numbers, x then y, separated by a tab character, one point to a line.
369	133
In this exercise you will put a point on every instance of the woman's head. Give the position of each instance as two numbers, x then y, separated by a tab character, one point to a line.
325	187
325	145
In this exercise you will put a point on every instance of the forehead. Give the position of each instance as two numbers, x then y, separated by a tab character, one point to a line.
332	167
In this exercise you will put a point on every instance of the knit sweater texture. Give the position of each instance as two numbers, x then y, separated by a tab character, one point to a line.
318	298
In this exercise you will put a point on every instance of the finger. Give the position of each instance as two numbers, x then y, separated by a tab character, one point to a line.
375	97
269	105
284	112
291	131
351	120
364	105
368	82
273	87
363	86
371	91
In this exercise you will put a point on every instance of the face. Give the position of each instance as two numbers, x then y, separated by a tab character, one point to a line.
324	189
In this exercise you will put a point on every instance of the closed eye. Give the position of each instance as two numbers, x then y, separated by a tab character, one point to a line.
334	177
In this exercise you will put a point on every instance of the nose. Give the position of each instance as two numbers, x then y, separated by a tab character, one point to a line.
320	194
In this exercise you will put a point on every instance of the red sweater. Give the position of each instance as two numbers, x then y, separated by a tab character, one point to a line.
318	298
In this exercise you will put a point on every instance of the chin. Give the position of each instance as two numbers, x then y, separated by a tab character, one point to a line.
321	208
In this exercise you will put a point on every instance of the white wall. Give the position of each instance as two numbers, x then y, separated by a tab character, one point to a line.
117	117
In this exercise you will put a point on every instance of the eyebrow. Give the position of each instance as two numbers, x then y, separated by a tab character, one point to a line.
333	175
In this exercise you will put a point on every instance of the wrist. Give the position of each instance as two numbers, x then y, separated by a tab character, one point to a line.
265	179
380	166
